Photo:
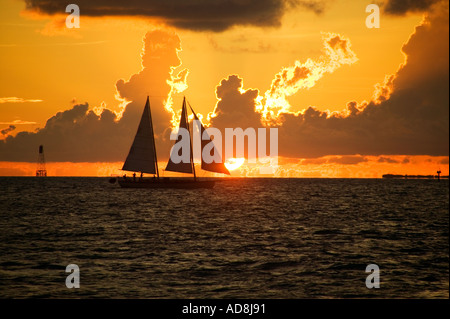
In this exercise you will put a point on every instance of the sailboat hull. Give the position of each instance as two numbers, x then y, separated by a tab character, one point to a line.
166	183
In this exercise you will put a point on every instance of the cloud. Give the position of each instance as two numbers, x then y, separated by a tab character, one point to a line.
230	94
246	108
409	114
383	159
342	160
200	15
71	135
82	134
14	99
314	161
337	52
159	60
401	7
8	129
348	160
18	122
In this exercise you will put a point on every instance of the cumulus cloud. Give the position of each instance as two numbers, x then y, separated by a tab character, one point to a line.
236	107
81	134
246	108
409	114
72	135
158	80
200	15
337	52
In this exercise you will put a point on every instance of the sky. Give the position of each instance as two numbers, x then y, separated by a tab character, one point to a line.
348	101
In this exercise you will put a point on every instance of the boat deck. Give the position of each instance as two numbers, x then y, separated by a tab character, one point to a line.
165	183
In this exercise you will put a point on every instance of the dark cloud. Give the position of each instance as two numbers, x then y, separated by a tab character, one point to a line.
211	15
80	135
343	160
8	129
242	46
411	117
348	160
389	160
159	57
230	96
400	7
74	135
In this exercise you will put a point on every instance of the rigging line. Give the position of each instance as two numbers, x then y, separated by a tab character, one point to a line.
190	140
153	137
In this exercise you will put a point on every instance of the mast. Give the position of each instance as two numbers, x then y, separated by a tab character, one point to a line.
182	167
154	143
212	167
190	138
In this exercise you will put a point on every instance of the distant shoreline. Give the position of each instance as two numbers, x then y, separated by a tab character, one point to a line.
386	176
413	176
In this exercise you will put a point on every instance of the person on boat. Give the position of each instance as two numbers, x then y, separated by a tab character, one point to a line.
134	177
141	177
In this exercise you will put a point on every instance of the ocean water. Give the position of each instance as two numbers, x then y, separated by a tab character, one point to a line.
246	238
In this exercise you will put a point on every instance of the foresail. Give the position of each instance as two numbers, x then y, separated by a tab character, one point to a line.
211	167
181	167
142	155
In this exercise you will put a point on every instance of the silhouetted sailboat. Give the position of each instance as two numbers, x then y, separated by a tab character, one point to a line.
142	158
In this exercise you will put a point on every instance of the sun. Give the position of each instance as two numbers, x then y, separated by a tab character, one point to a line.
234	163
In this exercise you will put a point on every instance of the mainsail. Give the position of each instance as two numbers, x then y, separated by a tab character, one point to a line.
213	166
182	167
142	155
188	167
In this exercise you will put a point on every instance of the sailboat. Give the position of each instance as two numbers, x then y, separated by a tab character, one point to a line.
142	157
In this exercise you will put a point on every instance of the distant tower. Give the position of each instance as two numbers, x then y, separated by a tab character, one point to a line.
41	171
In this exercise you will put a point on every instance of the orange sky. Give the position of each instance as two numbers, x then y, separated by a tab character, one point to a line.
50	68
85	63
329	166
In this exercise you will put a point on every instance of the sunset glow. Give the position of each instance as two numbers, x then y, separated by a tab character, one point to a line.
234	163
348	100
